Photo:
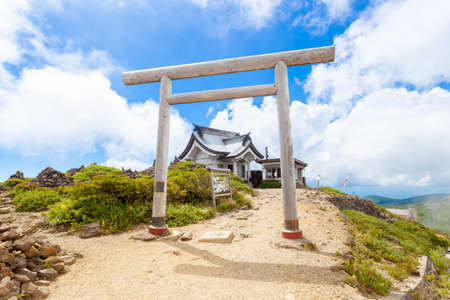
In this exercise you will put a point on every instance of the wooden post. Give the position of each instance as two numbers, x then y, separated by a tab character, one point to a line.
162	152
229	186
291	225
211	178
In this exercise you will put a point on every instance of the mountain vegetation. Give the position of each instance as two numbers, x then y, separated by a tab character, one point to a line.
433	210
117	202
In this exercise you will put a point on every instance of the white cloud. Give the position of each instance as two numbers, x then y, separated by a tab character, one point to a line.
240	13
391	137
360	120
66	105
52	111
338	9
399	42
318	15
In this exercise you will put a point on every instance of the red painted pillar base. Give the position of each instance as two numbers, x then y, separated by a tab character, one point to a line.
158	230
292	234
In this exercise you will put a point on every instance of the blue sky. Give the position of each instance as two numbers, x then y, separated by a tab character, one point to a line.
378	114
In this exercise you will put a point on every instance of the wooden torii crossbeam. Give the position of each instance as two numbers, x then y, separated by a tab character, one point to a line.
279	61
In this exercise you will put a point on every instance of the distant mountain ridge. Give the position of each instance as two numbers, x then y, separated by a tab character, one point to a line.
412	200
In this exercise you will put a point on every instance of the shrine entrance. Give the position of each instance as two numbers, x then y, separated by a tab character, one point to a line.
278	61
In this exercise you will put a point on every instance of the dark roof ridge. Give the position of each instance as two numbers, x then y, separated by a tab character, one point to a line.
215	131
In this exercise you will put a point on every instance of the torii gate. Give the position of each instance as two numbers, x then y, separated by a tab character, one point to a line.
280	61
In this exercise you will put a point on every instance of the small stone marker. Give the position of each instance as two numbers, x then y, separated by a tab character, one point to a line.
217	237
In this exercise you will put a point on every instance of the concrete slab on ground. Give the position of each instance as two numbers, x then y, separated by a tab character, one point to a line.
217	237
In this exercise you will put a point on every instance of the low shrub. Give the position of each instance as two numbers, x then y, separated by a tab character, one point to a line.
238	201
268	184
441	262
368	276
239	186
3	187
179	215
88	173
191	186
117	202
11	183
24	186
36	200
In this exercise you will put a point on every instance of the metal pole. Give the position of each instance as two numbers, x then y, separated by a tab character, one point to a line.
159	226
291	224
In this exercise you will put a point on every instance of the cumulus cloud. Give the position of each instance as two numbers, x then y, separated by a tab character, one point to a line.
66	105
395	43
377	114
391	137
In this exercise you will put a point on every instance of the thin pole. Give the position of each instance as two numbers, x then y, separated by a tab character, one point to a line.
162	153
291	225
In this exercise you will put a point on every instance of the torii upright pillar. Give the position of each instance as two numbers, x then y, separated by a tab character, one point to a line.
280	61
291	224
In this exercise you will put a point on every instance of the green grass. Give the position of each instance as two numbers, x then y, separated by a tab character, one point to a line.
89	172
379	245
433	214
331	191
38	200
268	184
11	183
118	202
187	214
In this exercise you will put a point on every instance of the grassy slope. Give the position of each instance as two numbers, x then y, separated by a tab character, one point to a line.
433	214
379	246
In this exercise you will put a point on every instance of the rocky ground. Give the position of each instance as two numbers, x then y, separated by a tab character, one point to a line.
28	261
256	264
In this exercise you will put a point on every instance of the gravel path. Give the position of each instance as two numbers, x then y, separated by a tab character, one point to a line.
262	266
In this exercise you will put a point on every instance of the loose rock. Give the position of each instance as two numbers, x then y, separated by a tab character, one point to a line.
22	278
59	267
42	292
24	243
48	273
144	236
47	251
90	230
29	288
42	282
30	274
186	236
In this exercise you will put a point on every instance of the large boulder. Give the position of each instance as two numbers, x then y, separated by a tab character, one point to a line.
48	274
51	178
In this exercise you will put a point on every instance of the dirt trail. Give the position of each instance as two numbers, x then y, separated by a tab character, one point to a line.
257	267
